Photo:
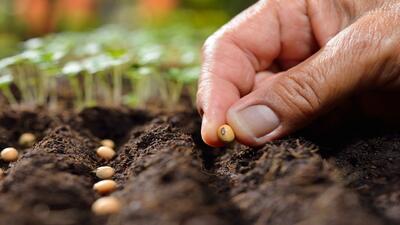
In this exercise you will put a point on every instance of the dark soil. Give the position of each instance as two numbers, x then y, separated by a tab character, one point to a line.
166	175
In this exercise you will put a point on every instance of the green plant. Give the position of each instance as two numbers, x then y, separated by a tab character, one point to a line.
109	66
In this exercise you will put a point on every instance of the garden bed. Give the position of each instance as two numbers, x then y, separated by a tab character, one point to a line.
166	175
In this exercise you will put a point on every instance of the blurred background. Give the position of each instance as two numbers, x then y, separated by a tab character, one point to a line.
24	19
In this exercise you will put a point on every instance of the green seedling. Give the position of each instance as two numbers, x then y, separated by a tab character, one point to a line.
181	79
109	66
71	70
148	85
5	87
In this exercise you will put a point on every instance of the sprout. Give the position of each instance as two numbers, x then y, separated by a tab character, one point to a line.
148	85
5	86
180	79
72	70
150	54
158	64
34	43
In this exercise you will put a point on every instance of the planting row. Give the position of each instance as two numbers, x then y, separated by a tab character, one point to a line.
163	174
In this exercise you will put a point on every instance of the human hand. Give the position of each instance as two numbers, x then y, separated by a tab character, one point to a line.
327	51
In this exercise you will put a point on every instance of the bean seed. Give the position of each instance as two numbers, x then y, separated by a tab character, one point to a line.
105	172
106	206
9	154
225	133
105	186
108	143
27	139
105	152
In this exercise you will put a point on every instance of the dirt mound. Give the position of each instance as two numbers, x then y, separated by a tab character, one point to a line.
166	175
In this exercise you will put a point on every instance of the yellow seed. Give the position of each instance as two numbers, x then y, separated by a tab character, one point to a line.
27	139
9	154
106	206
105	172
225	133
105	152
108	143
105	186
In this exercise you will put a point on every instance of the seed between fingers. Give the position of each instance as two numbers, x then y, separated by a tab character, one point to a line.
225	133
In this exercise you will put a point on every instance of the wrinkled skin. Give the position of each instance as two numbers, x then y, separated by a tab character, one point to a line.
298	60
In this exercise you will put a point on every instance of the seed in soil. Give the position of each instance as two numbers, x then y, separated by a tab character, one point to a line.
105	172
9	154
106	206
105	152
27	139
108	143
105	186
225	133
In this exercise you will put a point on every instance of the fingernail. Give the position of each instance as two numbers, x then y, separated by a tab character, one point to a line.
258	120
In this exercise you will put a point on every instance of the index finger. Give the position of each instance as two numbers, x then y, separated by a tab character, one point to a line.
231	58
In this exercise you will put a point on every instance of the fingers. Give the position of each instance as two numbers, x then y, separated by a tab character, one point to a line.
215	97
230	60
347	64
246	45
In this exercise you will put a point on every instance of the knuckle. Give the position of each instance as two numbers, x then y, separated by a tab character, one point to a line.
370	34
302	92
214	41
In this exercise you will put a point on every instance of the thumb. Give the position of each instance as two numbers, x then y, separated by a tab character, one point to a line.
289	100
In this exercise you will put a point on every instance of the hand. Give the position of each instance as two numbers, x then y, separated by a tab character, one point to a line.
326	51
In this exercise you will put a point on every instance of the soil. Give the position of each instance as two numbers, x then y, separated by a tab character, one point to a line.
167	176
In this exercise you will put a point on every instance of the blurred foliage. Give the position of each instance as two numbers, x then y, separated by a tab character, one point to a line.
23	19
109	66
154	57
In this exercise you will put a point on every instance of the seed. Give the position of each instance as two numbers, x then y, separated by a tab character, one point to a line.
105	152
9	154
27	139
105	172
106	206
108	143
105	186
225	133
1	173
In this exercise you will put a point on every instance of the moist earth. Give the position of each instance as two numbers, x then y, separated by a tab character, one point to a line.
166	175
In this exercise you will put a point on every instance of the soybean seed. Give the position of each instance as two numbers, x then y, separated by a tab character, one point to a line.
105	186
105	152
106	206
108	143
105	172
27	139
9	154
225	133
